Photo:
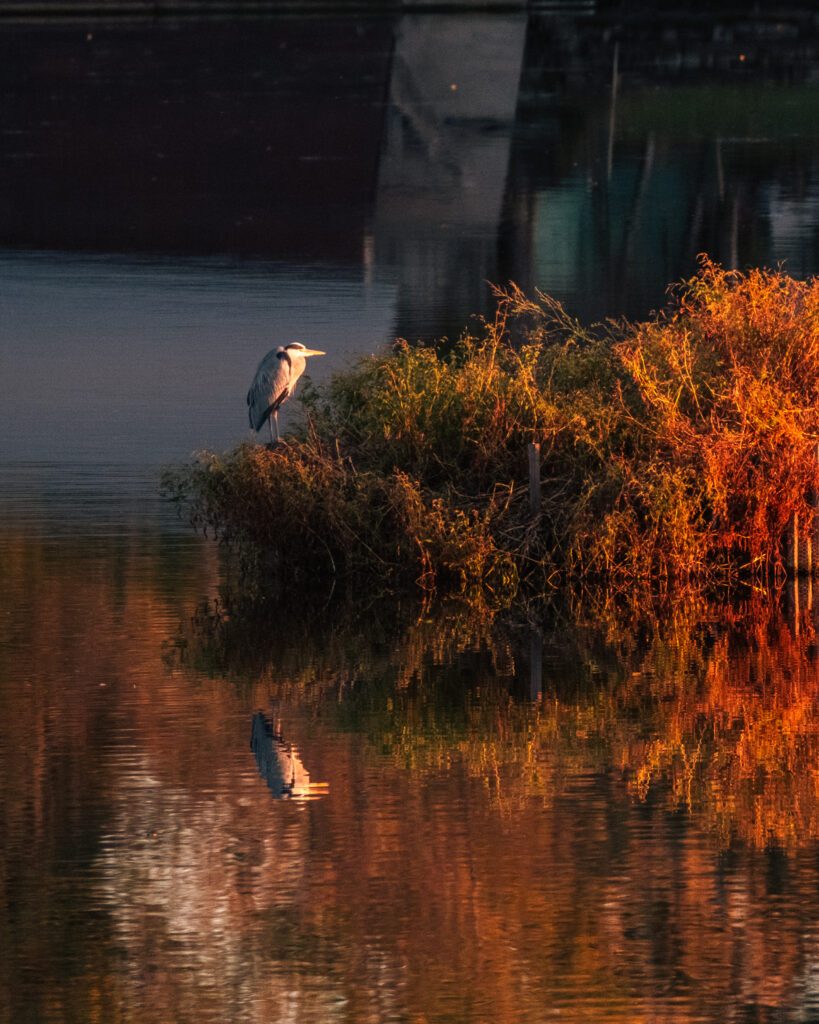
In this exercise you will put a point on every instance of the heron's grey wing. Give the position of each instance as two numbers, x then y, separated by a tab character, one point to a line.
269	389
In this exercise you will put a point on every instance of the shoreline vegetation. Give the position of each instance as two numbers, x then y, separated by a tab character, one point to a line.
677	450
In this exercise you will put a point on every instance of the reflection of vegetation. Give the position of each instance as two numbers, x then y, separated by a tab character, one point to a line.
142	856
715	709
727	111
331	649
675	448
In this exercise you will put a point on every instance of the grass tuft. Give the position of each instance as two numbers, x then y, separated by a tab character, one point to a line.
677	448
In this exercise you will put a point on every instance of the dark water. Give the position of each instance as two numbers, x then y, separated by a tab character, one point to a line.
179	196
350	810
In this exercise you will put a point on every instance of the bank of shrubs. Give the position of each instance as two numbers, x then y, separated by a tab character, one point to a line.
675	448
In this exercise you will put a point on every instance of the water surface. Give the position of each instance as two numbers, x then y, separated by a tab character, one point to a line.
349	809
336	811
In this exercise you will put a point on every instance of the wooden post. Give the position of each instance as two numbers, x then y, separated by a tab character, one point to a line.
535	665
813	533
615	82
534	478
805	551
792	546
720	171
795	609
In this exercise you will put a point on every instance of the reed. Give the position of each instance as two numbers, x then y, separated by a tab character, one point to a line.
678	448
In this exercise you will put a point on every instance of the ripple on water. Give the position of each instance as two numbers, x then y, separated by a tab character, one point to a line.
473	855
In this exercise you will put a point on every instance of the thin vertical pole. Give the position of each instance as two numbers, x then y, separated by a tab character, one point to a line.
796	608
534	477
720	171
805	550
813	533
733	244
536	665
615	82
792	546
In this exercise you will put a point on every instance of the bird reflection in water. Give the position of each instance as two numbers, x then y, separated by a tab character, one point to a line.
279	763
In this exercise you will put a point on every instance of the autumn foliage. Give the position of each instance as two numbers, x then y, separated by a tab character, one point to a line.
677	448
728	378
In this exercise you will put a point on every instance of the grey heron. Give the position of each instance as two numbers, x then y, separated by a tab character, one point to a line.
274	382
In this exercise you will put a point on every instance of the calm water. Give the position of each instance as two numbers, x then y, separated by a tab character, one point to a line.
361	812
345	810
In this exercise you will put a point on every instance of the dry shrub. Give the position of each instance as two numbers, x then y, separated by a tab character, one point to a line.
728	380
675	448
298	507
453	541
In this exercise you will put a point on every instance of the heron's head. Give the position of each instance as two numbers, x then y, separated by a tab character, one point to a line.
297	348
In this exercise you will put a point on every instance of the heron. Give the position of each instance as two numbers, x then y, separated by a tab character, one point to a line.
274	382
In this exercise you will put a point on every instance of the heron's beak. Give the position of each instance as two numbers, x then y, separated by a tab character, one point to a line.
313	352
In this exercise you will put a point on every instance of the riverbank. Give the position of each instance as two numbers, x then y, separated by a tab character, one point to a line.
679	448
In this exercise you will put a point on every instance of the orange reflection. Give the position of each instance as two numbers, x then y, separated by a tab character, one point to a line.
708	707
635	845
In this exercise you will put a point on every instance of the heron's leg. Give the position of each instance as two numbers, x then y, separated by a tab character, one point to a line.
270	424
276	416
